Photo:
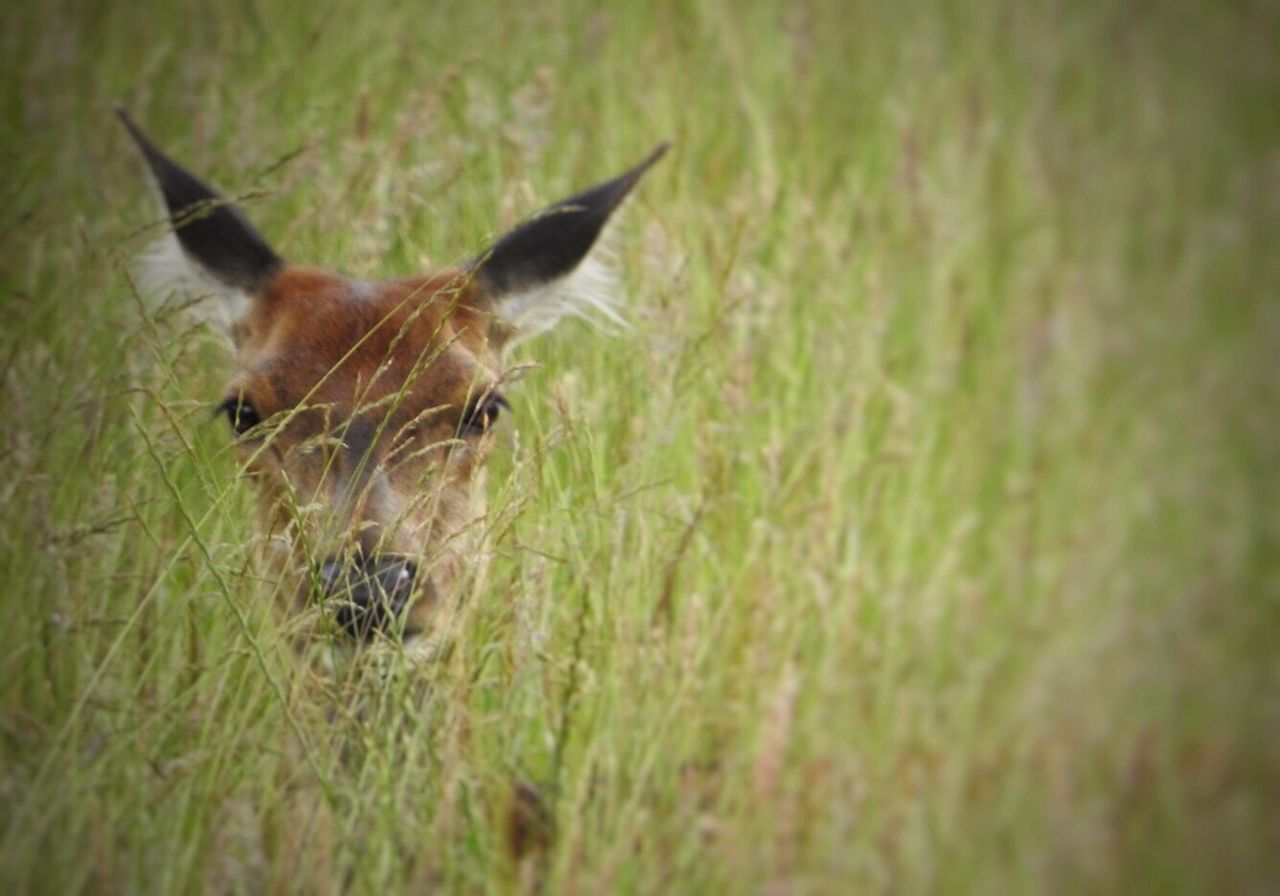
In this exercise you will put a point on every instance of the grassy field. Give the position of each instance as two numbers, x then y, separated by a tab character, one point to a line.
921	536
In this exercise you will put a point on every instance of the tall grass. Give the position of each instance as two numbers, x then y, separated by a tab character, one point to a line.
922	535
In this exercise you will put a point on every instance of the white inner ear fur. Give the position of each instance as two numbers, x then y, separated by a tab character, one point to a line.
589	292
164	270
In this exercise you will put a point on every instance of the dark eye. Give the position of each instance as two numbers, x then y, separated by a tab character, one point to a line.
482	414
242	415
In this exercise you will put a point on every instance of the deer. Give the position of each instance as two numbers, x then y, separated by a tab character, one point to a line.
364	412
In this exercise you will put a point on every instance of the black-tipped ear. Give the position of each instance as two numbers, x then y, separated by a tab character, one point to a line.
555	242
212	231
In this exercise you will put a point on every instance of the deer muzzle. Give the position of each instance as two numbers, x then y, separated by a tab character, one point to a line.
371	594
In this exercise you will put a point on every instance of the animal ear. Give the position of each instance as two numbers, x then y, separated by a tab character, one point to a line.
213	246
540	271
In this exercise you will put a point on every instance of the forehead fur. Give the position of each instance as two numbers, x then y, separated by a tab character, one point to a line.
309	323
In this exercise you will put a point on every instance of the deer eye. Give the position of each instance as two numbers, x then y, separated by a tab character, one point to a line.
482	413
240	413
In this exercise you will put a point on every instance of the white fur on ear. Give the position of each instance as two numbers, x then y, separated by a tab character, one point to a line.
588	292
164	271
218	259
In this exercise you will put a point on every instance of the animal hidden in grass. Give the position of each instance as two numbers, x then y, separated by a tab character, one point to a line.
363	410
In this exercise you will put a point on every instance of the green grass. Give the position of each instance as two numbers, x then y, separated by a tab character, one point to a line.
921	537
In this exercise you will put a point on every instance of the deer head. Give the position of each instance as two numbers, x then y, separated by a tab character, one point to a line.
364	410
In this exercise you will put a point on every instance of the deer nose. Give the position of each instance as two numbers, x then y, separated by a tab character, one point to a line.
369	594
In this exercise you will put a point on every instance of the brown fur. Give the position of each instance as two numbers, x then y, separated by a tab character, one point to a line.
363	387
363	409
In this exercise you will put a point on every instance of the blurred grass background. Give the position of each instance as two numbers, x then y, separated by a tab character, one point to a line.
921	537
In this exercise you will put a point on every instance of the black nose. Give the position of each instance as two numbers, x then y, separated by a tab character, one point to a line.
369	594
